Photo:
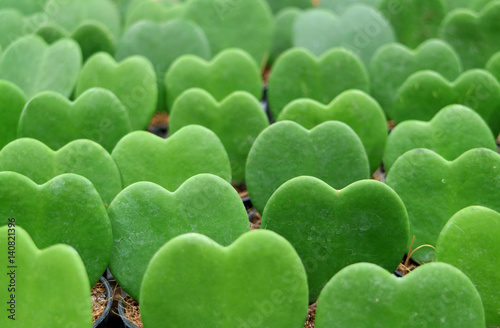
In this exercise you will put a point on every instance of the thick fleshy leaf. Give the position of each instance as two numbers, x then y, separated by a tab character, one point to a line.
493	65
231	70
145	216
38	162
298	74
278	5
331	152
394	63
454	130
133	81
66	210
425	93
223	22
469	241
154	11
283	33
414	21
340	6
471	4
354	108
43	288
364	222
11	26
97	115
237	121
12	101
142	156
366	296
210	284
162	44
361	29
474	35
34	66
434	189
25	6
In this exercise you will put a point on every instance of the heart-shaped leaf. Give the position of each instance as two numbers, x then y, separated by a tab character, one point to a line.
133	81
11	26
473	35
205	204
469	241
35	66
366	296
360	29
331	152
454	130
283	33
222	22
38	162
71	13
154	11
340	6
364	222
237	121
425	93
12	101
354	108
434	189
142	156
67	210
42	288
25	6
97	115
231	70
162	44
211	284
278	5
298	74
394	63
414	21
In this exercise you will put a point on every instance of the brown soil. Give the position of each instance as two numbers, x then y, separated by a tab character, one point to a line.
99	301
242	190
255	219
159	119
131	310
311	316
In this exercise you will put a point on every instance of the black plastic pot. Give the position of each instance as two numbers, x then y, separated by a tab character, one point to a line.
121	312
103	319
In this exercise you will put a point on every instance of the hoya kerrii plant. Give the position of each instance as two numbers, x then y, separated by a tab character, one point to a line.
12	101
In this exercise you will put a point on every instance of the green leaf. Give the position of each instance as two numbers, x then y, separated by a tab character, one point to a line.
473	35
67	210
51	288
97	115
11	26
366	296
340	6
72	13
434	189
414	21
205	204
469	241
364	222
142	156
493	65
424	93
162	44
361	29
331	152
12	101
237	121
279	5
392	64
154	11
354	108
283	33
222	22
298	74
471	4
34	66
454	130
231	70
38	162
133	81
27	7
213	285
